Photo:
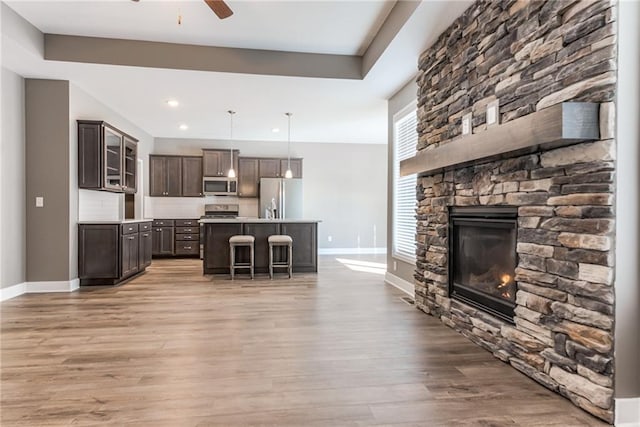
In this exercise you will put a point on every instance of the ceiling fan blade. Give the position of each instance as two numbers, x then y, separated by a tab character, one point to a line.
220	8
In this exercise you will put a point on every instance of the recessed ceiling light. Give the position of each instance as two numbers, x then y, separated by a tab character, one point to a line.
275	130
172	103
184	127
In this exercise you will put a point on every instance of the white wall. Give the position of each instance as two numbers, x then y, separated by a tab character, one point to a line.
628	216
12	181
344	186
90	205
404	97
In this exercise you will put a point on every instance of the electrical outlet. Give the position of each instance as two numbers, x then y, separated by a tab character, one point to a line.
395	265
492	112
39	202
329	238
466	123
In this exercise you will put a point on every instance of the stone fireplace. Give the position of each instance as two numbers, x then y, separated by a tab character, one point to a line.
483	258
536	285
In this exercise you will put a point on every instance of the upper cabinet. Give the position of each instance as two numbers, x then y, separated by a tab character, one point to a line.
276	168
218	162
269	168
248	177
296	167
175	176
107	157
192	176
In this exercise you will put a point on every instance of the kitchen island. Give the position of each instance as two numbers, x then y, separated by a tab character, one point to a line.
216	235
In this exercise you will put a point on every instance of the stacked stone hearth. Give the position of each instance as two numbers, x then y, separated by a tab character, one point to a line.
529	55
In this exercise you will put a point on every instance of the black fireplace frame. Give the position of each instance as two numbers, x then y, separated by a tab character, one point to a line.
489	216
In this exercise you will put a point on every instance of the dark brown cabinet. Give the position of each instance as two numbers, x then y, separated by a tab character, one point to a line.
305	244
248	177
107	157
187	237
218	162
130	251
111	253
175	176
145	247
163	243
165	176
130	164
216	246
191	176
269	168
296	167
276	168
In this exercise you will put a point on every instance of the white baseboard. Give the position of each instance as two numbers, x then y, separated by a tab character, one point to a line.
38	287
351	251
397	282
628	412
12	291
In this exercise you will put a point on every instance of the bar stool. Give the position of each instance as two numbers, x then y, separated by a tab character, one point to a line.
275	241
239	241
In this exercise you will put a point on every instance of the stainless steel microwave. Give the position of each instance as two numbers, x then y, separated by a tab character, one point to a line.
220	186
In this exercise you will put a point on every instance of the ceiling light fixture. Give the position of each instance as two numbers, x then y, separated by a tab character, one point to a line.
172	103
288	174
232	172
184	127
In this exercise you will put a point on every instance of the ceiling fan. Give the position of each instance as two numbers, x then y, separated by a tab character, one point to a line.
219	7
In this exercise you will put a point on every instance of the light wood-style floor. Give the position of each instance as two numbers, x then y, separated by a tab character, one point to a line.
174	348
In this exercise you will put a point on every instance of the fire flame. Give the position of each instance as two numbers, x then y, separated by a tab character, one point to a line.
505	279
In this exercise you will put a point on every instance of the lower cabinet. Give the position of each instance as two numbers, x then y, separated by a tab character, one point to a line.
216	245
176	237
111	253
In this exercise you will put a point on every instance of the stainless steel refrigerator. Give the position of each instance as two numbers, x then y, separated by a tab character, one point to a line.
284	196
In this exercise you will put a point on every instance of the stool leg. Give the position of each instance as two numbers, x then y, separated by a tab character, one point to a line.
290	260
252	259
232	251
270	261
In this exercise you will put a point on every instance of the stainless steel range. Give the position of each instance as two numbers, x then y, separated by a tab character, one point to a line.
216	211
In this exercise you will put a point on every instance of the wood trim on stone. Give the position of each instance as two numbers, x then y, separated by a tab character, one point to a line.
562	124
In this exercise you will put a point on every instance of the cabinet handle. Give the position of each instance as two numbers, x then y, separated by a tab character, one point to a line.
131	238
187	247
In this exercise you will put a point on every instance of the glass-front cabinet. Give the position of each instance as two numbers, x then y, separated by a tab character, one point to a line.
107	157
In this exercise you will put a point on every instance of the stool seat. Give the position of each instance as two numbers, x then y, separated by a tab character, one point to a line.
280	238
241	239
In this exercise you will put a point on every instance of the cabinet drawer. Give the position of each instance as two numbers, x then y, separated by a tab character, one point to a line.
186	222
187	230
144	226
193	237
187	248
129	228
163	223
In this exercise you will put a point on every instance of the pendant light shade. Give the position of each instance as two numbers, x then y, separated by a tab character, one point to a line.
288	174
232	171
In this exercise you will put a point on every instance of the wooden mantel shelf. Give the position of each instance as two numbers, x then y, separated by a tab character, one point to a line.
562	124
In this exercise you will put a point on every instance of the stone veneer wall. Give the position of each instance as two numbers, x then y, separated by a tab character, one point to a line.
529	55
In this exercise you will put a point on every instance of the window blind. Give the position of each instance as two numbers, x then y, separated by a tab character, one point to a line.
404	191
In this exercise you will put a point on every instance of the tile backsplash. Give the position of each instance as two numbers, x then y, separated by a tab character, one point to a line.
193	207
100	206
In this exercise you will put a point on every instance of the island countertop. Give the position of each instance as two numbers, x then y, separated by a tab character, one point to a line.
249	220
117	221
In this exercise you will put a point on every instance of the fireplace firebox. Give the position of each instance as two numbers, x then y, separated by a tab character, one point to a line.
483	258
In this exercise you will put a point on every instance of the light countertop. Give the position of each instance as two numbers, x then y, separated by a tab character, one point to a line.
120	221
246	220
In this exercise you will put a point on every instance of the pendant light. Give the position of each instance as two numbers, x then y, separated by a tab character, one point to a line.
288	174
232	172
